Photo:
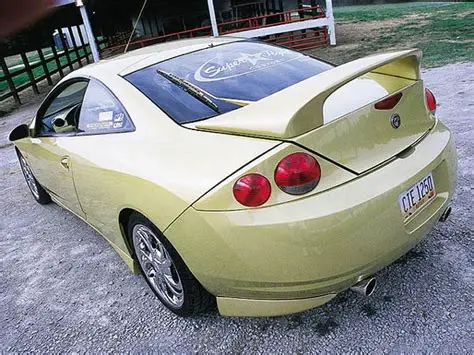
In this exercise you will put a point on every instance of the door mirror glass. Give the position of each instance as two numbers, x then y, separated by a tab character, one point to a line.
22	131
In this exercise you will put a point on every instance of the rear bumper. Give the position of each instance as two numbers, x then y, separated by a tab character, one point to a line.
242	307
297	255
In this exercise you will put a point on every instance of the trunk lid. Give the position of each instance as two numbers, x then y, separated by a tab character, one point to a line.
367	137
333	113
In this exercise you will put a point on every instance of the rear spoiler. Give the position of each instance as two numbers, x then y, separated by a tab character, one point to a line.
299	108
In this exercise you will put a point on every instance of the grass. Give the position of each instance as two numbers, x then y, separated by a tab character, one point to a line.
444	31
387	11
38	71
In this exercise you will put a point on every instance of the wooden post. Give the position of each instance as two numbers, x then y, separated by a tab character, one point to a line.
212	16
73	40
156	25
331	27
11	85
30	73
56	59
65	49
45	66
90	34
142	23
83	44
150	25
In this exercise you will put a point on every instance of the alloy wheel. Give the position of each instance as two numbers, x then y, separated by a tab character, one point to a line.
158	266
30	179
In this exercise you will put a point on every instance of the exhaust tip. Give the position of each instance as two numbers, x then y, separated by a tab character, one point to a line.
370	288
365	287
447	212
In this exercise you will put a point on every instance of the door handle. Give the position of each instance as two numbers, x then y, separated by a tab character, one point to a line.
65	162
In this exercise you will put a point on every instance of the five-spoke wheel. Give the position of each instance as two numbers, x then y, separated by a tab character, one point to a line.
157	266
38	192
164	270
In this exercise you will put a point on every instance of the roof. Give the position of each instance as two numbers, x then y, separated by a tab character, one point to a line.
137	59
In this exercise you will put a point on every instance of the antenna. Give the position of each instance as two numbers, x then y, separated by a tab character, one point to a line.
135	27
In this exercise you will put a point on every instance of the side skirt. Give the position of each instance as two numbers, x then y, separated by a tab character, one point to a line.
131	263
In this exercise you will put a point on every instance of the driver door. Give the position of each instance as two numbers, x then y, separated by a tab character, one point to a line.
55	127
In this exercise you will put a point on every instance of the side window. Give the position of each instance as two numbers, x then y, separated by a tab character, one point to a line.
61	112
102	112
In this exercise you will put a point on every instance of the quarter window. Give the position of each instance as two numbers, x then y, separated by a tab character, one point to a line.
102	112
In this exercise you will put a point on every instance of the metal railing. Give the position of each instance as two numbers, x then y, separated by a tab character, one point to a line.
313	37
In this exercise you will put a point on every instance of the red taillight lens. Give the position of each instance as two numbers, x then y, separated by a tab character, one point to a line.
389	102
430	101
297	174
252	190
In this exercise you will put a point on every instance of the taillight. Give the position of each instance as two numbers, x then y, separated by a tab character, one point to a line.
252	190
297	173
430	101
389	102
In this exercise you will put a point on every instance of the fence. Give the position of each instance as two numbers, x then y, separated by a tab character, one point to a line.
41	65
299	39
300	29
302	40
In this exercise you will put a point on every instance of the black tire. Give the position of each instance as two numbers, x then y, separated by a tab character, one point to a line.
195	298
38	192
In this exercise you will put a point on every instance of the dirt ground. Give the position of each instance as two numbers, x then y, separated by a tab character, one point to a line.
63	288
352	35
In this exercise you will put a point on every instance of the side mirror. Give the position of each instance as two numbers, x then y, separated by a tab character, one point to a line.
22	131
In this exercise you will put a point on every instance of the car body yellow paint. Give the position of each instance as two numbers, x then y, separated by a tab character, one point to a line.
294	252
320	244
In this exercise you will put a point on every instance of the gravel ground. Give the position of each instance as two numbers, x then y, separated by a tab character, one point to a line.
63	289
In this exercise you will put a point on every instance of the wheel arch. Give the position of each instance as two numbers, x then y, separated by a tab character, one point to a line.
123	219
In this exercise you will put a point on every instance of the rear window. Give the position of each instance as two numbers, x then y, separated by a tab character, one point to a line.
219	79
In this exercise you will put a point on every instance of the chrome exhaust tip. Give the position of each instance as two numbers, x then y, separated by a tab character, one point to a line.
445	214
365	287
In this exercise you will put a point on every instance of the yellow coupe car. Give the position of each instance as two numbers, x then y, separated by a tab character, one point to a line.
243	173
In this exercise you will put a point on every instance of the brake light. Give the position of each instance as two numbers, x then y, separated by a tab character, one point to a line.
297	173
430	101
389	102
252	190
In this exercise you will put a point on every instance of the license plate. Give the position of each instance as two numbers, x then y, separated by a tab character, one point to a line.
417	196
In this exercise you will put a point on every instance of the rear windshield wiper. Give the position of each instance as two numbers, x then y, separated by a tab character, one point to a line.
190	88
